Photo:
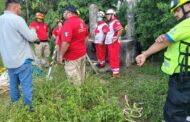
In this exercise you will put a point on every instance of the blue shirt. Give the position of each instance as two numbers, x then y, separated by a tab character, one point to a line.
15	36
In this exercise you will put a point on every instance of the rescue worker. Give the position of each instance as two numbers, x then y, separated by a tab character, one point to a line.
42	46
112	41
100	34
16	52
55	33
176	63
74	34
56	30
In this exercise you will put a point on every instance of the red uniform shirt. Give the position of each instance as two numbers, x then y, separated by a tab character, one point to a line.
56	31
41	30
105	28
74	31
116	26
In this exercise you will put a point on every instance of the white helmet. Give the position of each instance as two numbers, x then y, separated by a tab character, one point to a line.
101	14
111	11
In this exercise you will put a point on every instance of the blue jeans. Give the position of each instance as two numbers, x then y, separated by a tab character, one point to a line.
21	75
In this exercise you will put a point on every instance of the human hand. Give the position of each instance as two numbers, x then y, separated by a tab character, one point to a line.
32	27
114	39
60	60
140	59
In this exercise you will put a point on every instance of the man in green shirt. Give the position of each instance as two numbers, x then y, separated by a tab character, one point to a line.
176	63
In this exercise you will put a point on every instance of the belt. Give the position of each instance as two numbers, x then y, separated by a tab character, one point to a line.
41	41
44	41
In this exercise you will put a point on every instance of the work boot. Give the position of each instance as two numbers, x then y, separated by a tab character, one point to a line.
115	75
100	65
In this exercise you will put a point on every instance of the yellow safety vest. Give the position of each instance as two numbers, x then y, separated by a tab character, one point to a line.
174	57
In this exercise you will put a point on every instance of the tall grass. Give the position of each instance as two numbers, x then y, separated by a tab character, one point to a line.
100	99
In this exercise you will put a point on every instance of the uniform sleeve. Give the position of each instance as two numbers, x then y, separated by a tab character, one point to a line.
105	29
66	33
46	28
178	33
87	32
32	25
23	29
117	26
54	31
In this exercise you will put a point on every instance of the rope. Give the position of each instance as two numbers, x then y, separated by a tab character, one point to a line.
54	56
91	64
133	112
48	77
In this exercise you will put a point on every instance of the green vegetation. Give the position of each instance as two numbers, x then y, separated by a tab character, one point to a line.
152	19
55	11
2	6
101	98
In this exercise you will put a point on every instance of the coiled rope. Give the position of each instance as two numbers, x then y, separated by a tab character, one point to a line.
131	112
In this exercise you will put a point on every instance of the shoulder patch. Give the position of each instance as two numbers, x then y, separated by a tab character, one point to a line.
66	34
173	31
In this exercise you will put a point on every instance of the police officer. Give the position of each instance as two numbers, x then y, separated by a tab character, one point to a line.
176	63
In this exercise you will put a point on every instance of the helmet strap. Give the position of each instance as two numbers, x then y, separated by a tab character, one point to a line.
112	16
185	13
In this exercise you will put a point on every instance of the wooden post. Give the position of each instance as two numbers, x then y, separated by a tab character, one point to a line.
130	18
128	46
93	10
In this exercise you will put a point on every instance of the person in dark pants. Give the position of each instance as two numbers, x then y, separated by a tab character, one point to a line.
176	63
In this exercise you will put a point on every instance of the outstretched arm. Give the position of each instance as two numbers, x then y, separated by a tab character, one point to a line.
160	43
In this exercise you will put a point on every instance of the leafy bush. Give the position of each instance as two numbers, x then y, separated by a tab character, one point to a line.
2	3
152	18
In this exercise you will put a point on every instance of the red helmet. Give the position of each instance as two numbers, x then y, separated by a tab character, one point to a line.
39	15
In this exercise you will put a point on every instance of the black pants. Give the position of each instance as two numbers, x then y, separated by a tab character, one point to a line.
177	106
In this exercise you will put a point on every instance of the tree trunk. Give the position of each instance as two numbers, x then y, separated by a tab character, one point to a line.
27	11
